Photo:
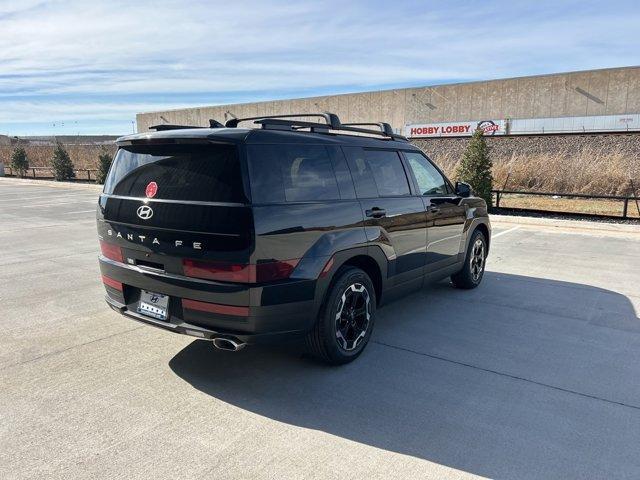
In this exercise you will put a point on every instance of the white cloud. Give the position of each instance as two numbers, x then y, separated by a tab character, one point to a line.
36	111
81	59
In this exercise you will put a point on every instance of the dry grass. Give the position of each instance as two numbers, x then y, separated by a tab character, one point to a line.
590	170
572	205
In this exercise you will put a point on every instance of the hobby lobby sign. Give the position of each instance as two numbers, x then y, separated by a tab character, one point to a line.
454	129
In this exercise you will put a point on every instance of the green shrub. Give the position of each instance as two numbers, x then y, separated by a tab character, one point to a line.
476	165
104	163
19	161
61	164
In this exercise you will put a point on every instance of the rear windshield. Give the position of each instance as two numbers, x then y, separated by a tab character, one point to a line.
207	173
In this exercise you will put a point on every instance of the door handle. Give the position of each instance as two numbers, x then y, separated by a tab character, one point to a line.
434	209
376	212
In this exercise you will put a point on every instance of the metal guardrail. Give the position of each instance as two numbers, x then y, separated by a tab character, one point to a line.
625	200
32	172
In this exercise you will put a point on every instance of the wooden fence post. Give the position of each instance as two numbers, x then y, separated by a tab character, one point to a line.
635	194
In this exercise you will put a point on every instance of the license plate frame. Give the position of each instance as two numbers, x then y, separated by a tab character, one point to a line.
154	305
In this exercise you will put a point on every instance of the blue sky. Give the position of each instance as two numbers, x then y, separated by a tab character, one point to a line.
74	66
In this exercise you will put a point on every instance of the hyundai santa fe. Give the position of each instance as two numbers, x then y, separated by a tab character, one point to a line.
297	227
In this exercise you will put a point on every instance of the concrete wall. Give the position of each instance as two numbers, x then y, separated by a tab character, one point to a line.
595	92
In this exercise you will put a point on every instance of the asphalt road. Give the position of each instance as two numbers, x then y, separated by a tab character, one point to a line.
535	374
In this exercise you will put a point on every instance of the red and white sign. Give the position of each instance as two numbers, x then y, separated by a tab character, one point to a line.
454	129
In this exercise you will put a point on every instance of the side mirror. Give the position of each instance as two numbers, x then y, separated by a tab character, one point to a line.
463	189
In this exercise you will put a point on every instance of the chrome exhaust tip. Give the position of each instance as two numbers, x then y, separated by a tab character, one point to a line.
229	344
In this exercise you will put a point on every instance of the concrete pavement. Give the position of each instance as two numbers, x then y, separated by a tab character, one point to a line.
532	375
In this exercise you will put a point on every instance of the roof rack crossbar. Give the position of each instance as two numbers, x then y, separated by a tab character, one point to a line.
331	119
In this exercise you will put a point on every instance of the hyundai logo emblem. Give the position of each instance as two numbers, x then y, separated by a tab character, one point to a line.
145	212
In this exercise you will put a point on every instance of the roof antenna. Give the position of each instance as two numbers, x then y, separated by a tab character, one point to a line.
215	124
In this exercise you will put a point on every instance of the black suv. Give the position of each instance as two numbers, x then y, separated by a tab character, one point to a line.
296	228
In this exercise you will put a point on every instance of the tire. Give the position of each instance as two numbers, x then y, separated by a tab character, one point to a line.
471	274
339	336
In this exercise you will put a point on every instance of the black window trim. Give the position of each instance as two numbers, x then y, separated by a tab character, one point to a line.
414	181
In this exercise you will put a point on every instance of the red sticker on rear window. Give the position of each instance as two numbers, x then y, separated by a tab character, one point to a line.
151	190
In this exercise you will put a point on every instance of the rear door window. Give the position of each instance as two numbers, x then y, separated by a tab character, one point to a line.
208	173
388	172
292	173
377	173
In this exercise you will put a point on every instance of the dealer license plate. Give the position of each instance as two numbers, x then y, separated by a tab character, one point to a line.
153	304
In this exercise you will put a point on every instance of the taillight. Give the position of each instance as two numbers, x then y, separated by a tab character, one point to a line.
111	251
237	272
111	282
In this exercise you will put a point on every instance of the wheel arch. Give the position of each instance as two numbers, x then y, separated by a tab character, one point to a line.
369	259
485	231
367	264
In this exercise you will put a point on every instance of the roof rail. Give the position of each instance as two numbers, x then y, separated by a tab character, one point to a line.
280	124
332	122
167	126
383	126
331	119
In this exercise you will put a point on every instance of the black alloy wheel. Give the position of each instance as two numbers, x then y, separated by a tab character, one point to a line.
346	319
475	261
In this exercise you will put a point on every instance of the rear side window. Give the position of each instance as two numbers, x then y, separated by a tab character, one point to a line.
377	173
208	173
292	173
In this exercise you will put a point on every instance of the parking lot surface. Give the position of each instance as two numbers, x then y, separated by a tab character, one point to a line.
535	374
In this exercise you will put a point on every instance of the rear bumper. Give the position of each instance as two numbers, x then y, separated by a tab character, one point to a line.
259	314
184	328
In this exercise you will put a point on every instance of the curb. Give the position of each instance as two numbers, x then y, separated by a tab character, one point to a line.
602	226
50	183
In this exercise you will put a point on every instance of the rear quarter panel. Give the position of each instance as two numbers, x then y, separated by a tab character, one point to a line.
307	231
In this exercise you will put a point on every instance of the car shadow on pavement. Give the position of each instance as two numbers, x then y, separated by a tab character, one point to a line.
521	378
